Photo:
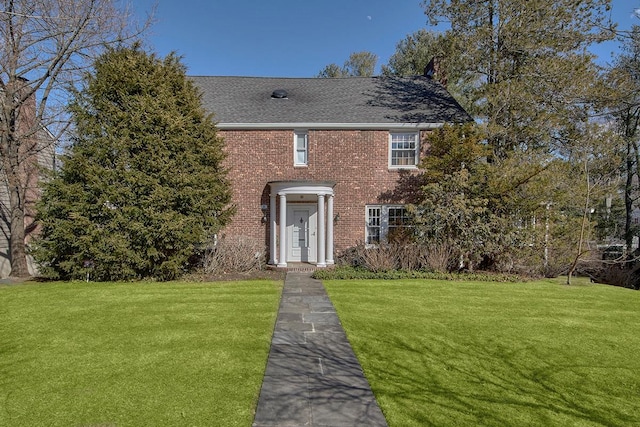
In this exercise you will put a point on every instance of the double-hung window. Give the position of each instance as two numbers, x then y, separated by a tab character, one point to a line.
301	148
373	225
398	219
384	221
403	149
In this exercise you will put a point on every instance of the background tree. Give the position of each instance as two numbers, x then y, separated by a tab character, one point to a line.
526	61
359	64
524	71
142	184
516	215
591	166
624	78
44	46
414	52
331	71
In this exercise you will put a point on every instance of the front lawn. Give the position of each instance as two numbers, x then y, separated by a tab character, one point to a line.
496	354
134	354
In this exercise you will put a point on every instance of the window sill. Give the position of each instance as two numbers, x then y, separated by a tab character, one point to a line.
395	168
300	166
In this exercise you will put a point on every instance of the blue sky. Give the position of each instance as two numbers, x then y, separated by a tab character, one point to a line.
293	38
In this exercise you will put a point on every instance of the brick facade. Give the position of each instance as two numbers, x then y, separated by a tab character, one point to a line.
356	160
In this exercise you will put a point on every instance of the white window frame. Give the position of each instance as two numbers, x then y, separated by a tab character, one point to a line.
296	150
381	222
416	149
373	221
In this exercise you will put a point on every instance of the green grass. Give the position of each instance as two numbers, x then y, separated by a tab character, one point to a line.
134	354
487	354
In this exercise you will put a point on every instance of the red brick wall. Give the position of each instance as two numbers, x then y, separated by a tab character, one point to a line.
356	160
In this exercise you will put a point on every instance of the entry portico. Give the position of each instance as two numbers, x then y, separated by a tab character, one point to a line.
303	230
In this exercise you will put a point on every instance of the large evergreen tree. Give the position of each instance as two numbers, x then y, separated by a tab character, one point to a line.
523	69
142	184
526	66
45	46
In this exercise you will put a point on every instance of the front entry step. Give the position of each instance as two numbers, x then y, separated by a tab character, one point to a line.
298	267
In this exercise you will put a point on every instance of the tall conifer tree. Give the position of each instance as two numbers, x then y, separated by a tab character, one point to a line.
142	184
525	63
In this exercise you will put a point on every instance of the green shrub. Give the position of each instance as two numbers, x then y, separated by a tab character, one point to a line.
142	184
353	273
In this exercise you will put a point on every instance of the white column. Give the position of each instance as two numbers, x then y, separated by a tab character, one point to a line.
283	231
330	230
320	262
273	258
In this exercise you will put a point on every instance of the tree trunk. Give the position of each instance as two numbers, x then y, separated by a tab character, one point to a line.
16	181
17	248
628	200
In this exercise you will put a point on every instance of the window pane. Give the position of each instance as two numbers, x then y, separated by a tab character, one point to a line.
301	157
398	223
404	149
301	143
373	225
398	217
301	149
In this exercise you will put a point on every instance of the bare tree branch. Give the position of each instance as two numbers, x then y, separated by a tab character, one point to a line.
45	47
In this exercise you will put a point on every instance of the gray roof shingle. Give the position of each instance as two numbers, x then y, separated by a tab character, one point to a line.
354	100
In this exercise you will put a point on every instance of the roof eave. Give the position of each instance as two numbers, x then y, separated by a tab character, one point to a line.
332	126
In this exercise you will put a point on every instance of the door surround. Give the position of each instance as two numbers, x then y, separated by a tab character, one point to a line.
286	194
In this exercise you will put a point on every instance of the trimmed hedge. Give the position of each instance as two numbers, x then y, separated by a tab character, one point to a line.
351	273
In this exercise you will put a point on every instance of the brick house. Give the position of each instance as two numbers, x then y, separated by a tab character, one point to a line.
37	140
319	165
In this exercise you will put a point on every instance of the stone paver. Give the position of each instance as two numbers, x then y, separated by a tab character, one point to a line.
313	378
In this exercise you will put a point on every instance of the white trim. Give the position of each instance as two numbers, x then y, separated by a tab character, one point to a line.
329	251
417	149
321	236
323	190
296	135
384	220
331	126
282	261
293	187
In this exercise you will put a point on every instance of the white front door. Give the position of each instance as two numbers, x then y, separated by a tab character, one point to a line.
301	233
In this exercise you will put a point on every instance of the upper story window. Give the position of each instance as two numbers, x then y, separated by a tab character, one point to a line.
301	148
403	149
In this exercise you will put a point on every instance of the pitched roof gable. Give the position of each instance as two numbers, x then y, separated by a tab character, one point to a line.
362	101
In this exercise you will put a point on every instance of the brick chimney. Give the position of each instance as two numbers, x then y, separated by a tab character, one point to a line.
435	70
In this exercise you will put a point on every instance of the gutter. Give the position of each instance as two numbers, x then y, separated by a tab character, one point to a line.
331	126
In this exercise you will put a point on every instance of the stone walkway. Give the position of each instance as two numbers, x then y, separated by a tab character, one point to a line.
313	377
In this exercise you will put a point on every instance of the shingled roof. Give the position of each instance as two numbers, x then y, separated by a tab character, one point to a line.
365	102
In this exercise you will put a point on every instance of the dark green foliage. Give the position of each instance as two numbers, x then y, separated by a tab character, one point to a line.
456	206
352	273
414	52
523	66
142	185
